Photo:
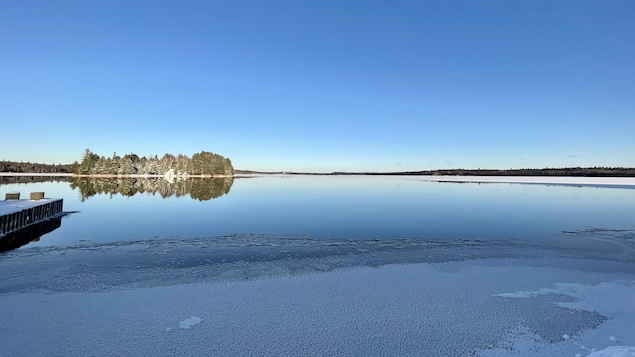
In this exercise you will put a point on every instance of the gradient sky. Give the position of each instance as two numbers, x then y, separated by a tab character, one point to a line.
360	85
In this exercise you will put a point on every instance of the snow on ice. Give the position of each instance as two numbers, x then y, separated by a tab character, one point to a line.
188	323
563	307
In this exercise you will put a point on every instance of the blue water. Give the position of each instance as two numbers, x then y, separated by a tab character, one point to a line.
361	208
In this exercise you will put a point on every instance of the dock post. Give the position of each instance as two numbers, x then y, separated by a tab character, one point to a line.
36	196
12	196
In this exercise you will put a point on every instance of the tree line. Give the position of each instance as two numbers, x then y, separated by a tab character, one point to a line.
203	163
29	167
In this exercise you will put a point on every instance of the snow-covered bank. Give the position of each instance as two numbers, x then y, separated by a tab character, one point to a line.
552	180
560	307
549	180
627	182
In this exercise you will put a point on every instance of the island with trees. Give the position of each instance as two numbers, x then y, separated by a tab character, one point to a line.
200	164
203	163
204	176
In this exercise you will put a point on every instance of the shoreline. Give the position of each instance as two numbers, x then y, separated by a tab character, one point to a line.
556	180
542	180
548	180
27	174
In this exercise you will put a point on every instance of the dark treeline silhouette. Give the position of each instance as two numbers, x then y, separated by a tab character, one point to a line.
203	163
198	188
28	167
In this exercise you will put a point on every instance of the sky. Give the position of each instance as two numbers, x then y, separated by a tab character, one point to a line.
321	86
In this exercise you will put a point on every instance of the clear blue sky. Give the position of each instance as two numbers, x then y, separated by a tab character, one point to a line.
359	85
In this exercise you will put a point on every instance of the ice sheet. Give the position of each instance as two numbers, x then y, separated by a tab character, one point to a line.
427	309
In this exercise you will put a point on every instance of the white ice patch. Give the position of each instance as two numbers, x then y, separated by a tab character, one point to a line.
191	322
611	299
605	298
614	351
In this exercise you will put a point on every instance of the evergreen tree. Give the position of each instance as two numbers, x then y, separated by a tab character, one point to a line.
204	163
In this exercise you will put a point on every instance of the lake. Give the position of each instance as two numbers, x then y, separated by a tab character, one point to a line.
227	260
321	207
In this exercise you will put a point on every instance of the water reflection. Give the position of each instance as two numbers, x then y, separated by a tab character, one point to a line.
361	208
30	233
8	180
202	189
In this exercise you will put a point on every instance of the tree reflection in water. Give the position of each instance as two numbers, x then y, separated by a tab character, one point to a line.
199	188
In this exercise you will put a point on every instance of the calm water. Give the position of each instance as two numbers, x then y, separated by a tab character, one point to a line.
318	207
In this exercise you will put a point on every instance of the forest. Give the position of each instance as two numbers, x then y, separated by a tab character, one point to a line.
35	168
200	164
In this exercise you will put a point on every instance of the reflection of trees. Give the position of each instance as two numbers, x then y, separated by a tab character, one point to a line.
7	180
202	189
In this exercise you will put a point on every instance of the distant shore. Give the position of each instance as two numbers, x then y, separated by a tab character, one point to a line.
148	176
12	168
100	175
35	174
549	180
556	180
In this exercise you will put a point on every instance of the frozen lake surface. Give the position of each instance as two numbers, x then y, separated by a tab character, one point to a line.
328	266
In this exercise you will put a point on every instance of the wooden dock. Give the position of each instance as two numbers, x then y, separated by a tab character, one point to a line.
20	216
